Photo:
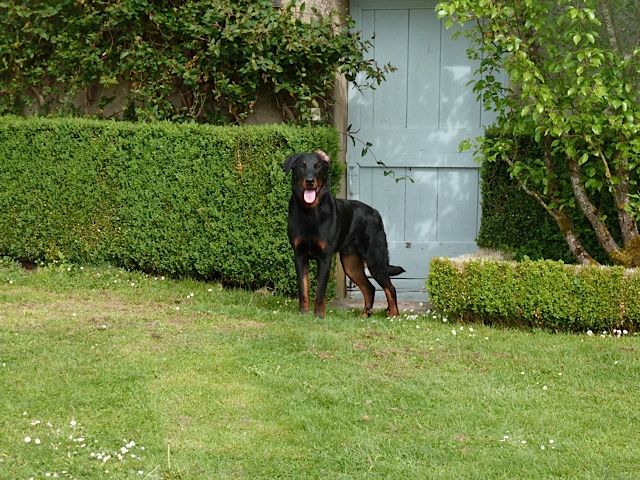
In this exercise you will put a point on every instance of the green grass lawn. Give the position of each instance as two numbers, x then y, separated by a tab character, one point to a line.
111	374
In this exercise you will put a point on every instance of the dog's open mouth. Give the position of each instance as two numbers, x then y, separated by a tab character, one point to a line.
310	196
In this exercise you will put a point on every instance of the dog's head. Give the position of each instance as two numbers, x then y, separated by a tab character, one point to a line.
310	178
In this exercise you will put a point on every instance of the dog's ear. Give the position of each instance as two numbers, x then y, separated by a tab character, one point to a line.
289	162
322	156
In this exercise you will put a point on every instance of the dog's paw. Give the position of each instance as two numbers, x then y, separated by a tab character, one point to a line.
392	312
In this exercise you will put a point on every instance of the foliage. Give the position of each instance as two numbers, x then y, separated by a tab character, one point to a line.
546	294
574	86
194	200
514	222
509	215
203	60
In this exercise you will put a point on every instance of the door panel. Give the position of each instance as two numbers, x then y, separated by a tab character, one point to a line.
458	106
416	121
390	107
423	61
457	204
422	206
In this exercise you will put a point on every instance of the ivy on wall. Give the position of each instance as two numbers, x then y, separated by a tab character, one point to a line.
181	60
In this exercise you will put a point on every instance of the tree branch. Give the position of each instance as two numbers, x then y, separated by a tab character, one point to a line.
564	222
620	189
628	224
605	239
611	31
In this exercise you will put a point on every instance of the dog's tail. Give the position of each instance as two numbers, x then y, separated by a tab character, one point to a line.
394	270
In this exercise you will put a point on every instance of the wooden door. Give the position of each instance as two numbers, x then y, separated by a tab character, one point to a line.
416	121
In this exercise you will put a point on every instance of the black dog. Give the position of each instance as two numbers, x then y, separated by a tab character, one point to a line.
321	225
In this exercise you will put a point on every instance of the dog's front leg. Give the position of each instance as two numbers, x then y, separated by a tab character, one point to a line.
324	266
302	272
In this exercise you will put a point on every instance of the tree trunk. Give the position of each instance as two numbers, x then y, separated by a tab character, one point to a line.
628	224
565	224
604	237
630	254
611	30
573	242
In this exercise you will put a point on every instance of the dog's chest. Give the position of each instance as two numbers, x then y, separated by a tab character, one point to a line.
310	245
312	234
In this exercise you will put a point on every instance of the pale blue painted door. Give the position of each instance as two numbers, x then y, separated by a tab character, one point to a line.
416	121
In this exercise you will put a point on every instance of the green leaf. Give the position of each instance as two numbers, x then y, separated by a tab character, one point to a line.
465	145
583	158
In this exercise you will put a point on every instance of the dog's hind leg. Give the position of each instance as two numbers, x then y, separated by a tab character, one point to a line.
392	300
354	268
381	275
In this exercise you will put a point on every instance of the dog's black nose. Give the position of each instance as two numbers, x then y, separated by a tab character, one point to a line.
309	181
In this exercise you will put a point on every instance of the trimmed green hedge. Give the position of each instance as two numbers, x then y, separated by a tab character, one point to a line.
192	200
547	294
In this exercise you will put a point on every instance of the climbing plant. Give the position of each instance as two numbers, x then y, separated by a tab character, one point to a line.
181	60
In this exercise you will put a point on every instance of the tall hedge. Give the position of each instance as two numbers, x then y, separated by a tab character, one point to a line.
191	200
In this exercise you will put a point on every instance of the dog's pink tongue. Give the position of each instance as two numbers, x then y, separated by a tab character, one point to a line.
309	196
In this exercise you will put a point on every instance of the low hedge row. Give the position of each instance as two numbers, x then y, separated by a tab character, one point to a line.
546	294
192	200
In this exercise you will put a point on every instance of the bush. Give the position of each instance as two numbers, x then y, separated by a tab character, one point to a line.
189	60
514	222
196	200
546	294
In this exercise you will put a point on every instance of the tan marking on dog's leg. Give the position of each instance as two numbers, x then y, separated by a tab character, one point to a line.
304	299
392	302
320	308
354	268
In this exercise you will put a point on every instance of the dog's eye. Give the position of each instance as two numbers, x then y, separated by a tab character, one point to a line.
317	166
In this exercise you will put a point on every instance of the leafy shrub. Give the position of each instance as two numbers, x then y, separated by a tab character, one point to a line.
514	222
193	60
194	200
546	294
573	87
